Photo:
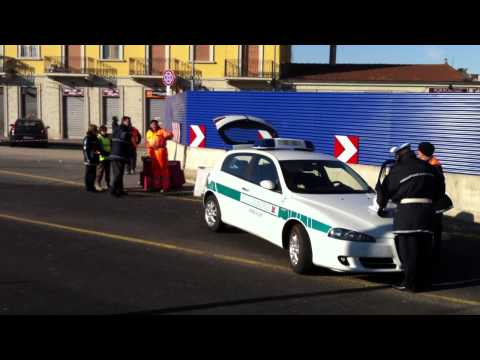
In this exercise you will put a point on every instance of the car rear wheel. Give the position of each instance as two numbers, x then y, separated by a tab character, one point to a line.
212	215
300	250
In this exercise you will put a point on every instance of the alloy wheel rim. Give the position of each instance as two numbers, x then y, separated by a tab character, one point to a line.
211	213
294	249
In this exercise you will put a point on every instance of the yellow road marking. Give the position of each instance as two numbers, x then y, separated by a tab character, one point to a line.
102	234
452	299
38	177
74	183
250	262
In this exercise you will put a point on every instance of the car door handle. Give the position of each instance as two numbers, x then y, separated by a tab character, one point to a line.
245	189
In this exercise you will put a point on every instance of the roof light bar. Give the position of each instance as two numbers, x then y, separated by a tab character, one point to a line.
284	144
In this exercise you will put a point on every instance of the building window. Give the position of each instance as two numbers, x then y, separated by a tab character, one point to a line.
29	51
111	52
202	53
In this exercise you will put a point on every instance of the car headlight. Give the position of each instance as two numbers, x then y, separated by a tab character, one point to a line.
349	235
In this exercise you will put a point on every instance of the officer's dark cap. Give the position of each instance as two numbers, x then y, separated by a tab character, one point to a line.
426	148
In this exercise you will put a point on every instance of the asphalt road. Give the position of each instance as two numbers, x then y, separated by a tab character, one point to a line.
65	251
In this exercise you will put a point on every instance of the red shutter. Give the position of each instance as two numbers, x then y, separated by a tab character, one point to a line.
253	53
202	52
74	60
157	59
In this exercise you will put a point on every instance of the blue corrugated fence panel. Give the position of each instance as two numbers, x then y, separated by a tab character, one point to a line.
381	120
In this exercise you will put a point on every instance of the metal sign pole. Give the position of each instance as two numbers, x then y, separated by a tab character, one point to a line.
193	68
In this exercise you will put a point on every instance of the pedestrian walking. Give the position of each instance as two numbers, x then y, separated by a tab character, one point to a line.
104	165
136	139
414	186
91	154
425	152
157	150
120	155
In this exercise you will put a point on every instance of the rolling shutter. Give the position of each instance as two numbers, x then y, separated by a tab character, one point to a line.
111	108
74	117
156	109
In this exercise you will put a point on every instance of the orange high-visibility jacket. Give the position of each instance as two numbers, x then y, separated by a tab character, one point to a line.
434	161
157	150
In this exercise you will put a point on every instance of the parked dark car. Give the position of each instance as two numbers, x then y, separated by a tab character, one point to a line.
29	131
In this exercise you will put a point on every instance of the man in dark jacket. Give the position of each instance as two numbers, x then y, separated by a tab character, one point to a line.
413	185
120	155
91	156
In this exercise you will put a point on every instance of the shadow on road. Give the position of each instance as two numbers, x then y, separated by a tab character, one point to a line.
457	267
215	305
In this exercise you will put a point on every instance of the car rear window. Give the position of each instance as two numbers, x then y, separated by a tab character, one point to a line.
29	124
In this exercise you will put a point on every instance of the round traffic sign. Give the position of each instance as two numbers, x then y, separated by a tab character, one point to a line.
169	77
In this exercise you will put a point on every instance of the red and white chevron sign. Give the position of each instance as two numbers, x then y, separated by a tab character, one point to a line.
198	135
264	134
346	148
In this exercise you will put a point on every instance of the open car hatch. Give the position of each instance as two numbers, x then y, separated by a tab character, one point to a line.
226	126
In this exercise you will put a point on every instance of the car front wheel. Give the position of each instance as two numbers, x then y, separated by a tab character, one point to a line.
213	217
300	250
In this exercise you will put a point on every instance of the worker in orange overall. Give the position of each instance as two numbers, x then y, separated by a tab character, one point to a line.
157	150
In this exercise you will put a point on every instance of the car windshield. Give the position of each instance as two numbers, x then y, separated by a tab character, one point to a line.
322	177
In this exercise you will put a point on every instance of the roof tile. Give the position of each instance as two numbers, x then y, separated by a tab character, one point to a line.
373	72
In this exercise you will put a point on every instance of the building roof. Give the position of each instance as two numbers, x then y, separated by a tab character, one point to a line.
424	73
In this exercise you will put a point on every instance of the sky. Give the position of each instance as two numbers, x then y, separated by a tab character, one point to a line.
465	56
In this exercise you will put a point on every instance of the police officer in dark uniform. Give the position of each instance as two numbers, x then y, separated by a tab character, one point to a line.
413	185
425	152
120	155
91	157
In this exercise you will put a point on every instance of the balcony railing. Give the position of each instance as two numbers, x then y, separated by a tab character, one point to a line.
235	68
14	67
100	69
59	65
154	67
63	65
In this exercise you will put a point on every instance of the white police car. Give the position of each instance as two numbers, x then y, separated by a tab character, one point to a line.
310	204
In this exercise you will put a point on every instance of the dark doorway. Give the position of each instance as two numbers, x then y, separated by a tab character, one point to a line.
28	103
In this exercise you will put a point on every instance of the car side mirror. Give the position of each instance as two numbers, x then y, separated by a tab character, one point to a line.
267	184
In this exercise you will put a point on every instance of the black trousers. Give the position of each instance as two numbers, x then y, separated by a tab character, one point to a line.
118	169
90	173
104	170
415	251
132	161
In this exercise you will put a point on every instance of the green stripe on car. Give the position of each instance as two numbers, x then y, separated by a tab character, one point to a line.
282	212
